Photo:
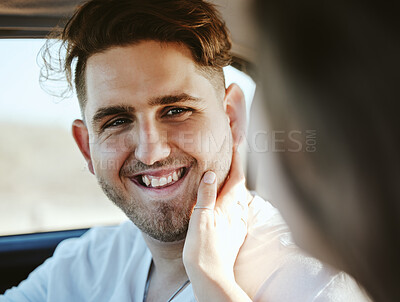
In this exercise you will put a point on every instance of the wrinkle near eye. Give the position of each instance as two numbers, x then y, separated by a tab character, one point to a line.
102	138
106	133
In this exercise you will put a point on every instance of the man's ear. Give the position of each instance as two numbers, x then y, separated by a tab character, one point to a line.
235	107
81	136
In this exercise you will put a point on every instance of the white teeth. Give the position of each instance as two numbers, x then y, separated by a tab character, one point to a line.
151	181
155	182
146	180
163	181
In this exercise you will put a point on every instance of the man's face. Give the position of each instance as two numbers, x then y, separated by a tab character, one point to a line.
155	125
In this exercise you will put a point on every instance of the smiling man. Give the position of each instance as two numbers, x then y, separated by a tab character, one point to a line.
159	131
151	113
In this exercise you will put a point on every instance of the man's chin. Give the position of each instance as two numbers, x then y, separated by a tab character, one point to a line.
166	223
165	237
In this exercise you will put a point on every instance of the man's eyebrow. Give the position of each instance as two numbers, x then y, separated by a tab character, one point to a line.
110	110
172	99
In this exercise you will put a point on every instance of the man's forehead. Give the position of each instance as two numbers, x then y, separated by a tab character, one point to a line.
143	56
138	65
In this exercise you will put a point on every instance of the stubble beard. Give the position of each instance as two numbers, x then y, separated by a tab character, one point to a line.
167	221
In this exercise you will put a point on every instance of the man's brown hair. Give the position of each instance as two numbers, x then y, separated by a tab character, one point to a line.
99	25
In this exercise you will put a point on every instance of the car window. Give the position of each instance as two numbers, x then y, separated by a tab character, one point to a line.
44	181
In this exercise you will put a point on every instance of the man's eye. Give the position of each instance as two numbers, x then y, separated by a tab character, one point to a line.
177	111
117	122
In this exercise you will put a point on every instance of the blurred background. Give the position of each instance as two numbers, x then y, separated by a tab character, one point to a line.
44	183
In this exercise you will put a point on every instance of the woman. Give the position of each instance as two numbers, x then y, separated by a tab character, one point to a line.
333	67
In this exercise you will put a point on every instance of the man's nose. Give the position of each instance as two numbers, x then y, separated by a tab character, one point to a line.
152	145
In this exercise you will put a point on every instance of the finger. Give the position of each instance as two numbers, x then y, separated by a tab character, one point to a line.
207	192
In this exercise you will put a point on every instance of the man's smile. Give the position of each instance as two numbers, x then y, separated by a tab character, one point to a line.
160	179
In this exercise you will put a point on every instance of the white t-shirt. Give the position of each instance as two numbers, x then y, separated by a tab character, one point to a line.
111	264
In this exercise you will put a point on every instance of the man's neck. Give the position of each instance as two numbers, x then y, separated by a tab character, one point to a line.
167	258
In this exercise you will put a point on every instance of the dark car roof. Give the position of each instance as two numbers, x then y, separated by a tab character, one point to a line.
35	18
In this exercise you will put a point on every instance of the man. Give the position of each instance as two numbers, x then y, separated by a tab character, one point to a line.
159	131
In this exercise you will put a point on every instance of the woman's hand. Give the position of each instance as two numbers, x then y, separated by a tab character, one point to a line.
217	229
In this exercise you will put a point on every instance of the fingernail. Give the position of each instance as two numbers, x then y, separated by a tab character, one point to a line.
209	177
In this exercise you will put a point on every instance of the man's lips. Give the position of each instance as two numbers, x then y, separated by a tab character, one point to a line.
161	178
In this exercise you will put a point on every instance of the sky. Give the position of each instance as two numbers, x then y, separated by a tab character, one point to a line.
22	100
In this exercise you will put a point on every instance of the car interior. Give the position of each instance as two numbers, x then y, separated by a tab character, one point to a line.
33	19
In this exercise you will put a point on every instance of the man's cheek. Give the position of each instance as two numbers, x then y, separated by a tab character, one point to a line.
117	144
204	142
108	157
218	163
220	166
217	140
189	141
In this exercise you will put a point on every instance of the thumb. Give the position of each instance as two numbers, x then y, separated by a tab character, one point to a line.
207	192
